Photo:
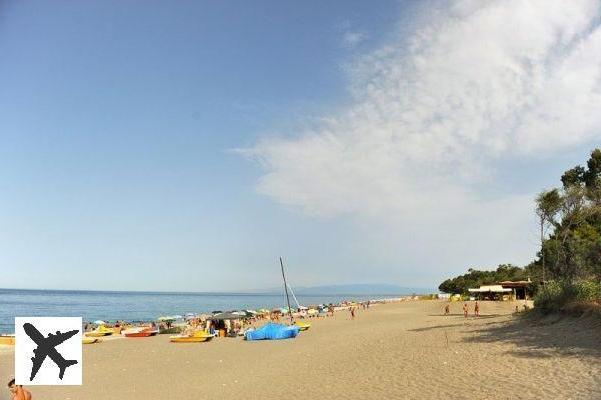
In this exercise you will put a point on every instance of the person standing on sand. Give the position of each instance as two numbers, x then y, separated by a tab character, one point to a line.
352	312
476	310
18	392
465	310
447	310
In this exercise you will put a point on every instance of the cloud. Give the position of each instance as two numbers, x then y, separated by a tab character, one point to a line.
352	39
434	111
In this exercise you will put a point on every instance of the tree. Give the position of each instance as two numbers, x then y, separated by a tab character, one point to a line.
548	205
573	177
592	175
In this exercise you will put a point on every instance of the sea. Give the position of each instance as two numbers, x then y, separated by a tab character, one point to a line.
144	306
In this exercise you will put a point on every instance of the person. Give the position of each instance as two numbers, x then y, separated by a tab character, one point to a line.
18	392
188	331
352	312
447	310
476	309
465	310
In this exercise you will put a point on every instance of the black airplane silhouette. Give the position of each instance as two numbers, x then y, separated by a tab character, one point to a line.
46	347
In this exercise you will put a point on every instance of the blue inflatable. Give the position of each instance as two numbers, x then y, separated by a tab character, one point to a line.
271	331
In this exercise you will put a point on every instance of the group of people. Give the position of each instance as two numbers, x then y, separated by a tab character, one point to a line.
447	309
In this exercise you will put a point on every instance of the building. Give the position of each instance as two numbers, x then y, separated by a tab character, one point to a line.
491	292
506	290
522	290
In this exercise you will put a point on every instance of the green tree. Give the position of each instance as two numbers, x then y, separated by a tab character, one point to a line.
548	205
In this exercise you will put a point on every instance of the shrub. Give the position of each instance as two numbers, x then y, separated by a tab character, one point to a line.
588	291
554	296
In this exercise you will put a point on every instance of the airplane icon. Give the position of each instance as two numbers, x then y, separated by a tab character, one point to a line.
46	347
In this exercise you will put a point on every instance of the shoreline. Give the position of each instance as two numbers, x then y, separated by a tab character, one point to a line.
155	318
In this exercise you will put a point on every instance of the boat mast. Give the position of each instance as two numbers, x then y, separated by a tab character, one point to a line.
286	289
294	297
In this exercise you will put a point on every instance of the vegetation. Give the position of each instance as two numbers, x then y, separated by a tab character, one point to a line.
475	278
555	295
568	264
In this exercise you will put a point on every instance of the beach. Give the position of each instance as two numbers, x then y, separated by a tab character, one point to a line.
406	350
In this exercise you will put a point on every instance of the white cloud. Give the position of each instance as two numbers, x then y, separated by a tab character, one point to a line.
474	83
352	39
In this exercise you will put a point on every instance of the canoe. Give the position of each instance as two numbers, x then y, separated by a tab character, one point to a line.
7	340
90	340
100	331
96	334
135	333
197	337
302	326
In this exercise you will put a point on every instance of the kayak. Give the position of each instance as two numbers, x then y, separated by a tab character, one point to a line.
7	339
90	340
197	337
302	326
139	332
100	331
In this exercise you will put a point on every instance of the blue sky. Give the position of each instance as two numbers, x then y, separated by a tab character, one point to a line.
185	146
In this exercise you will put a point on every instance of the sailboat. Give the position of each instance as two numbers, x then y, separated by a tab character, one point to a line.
271	331
303	326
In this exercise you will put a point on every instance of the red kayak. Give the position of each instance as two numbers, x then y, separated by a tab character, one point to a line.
141	332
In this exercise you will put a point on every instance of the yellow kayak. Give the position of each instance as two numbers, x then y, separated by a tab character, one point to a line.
100	331
200	336
96	334
7	340
90	340
302	326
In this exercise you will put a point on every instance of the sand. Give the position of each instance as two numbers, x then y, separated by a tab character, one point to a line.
395	351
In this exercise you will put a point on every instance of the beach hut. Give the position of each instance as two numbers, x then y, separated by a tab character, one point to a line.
489	292
522	290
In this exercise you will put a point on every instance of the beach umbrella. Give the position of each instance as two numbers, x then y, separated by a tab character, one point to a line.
178	317
246	313
165	318
99	322
225	315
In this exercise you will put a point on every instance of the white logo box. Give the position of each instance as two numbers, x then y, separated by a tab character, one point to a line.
65	354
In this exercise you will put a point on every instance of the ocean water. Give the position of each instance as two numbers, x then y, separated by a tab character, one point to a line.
141	306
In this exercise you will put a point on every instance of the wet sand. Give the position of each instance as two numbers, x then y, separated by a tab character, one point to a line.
398	351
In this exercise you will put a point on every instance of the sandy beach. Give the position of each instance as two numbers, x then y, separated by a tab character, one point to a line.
407	350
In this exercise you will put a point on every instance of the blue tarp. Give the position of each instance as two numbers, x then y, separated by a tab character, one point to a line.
271	331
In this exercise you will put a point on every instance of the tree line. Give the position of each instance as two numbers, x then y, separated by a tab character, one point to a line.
570	240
